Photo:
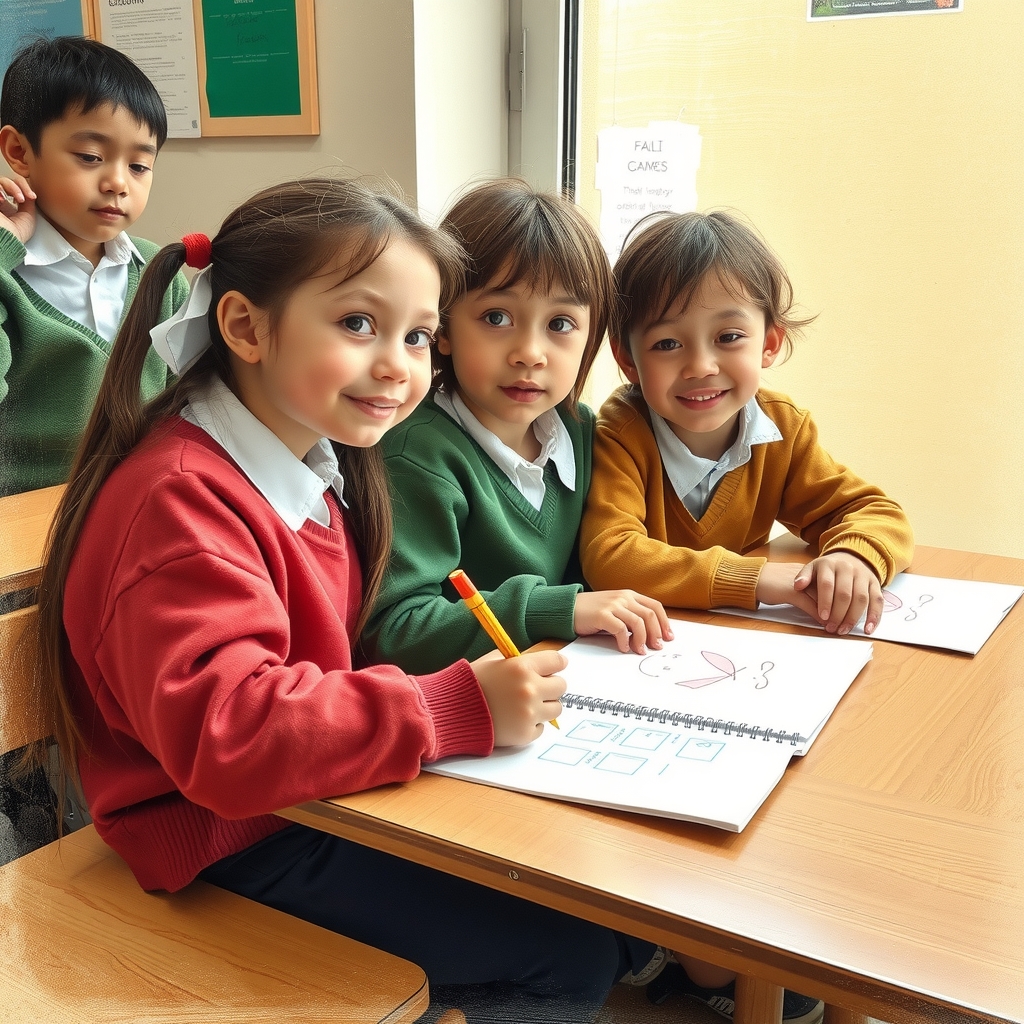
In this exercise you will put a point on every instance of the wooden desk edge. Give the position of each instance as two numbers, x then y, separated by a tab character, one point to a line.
815	978
412	1009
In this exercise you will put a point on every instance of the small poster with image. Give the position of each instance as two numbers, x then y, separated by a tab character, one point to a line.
832	10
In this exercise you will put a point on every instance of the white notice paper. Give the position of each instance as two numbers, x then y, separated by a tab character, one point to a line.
930	611
160	36
643	170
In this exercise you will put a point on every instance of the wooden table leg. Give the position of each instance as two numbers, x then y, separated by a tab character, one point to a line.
837	1015
757	1001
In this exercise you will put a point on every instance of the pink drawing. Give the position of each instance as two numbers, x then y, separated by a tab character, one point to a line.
661	665
890	602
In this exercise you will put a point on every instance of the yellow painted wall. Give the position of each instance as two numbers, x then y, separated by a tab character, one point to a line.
883	159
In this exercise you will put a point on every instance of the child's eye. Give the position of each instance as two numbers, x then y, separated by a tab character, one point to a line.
665	345
139	168
89	158
496	318
730	336
358	324
562	325
419	339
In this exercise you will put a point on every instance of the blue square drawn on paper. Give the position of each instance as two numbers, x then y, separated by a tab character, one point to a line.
700	750
592	732
621	764
645	739
561	754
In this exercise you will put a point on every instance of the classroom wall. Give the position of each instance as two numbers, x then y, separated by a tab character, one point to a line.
367	125
461	97
411	89
882	159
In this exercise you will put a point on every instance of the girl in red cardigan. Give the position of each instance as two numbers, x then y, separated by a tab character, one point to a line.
209	572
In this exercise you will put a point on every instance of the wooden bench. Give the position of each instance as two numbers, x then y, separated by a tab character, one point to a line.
81	942
24	522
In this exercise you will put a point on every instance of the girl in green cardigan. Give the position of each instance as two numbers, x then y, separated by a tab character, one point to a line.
491	472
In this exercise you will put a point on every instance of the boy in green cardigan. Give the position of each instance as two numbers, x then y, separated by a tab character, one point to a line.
81	129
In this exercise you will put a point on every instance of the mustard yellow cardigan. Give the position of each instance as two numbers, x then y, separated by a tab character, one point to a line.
636	533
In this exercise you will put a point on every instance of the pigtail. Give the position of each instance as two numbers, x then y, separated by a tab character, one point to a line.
119	421
369	517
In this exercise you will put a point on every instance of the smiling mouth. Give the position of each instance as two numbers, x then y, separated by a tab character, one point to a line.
706	396
377	402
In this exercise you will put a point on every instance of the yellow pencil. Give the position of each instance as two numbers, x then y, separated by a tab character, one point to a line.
478	606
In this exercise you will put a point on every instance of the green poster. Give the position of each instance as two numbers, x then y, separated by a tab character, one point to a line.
252	58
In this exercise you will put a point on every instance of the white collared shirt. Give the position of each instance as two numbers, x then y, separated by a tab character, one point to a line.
294	487
527	477
694	479
59	273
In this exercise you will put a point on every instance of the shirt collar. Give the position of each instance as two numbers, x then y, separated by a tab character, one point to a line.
48	246
548	428
686	470
292	486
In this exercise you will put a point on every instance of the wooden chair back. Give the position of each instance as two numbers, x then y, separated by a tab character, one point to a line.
21	720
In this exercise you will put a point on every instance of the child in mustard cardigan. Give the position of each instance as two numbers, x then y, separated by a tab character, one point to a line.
694	460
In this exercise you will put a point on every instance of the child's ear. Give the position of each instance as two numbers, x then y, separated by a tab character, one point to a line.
242	326
773	341
623	356
444	346
15	149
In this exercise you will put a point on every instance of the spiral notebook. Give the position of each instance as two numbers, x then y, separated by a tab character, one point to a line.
702	730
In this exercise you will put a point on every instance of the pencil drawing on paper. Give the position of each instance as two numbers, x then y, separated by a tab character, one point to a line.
915	608
700	750
673	666
592	732
645	739
621	764
560	753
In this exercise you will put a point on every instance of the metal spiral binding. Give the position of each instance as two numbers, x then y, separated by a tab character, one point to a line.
642	713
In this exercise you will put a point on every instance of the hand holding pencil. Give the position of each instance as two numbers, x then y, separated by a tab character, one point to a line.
521	690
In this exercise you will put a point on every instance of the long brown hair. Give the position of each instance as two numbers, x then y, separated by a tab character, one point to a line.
514	234
266	247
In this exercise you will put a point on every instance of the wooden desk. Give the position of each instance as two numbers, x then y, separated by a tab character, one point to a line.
885	874
24	520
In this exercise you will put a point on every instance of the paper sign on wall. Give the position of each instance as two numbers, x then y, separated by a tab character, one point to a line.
159	35
643	170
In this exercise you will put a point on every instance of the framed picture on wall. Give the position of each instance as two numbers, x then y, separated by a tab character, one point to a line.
222	67
21	22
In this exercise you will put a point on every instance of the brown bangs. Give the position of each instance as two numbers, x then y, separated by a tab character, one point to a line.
514	235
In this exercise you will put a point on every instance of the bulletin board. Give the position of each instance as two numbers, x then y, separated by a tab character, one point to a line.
222	67
257	67
22	21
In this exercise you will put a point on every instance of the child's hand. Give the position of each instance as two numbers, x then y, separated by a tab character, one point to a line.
19	219
844	587
777	585
634	620
522	693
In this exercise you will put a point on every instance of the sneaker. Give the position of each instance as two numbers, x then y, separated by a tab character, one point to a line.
796	1009
652	970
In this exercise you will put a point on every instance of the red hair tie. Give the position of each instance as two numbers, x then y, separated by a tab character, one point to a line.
198	250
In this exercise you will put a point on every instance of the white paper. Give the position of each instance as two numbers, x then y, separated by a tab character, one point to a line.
929	611
643	170
159	35
702	730
608	762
